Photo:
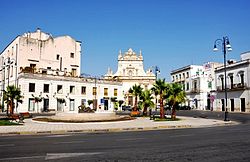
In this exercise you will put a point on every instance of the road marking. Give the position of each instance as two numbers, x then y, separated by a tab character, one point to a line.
130	139
20	158
68	142
182	135
59	135
7	145
51	156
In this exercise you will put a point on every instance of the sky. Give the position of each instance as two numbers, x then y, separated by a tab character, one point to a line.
170	33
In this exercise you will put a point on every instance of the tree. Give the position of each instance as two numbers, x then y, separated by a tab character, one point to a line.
146	101
175	97
135	91
37	100
10	96
155	91
160	87
90	102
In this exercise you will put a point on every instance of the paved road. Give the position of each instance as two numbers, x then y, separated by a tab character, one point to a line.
230	143
224	143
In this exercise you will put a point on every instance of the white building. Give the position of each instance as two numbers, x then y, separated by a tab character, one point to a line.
48	68
238	83
197	81
65	94
130	71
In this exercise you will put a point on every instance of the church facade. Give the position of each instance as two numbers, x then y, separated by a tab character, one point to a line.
130	71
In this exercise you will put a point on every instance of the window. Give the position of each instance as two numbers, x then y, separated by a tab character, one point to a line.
83	101
209	85
73	72
115	92
31	104
195	85
94	91
57	57
46	88
179	76
242	78
33	66
59	89
173	78
222	82
187	74
48	67
187	87
72	55
231	81
83	91
183	75
105	91
11	71
71	105
72	89
31	87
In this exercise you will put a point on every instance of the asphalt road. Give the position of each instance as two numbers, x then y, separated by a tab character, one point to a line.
227	143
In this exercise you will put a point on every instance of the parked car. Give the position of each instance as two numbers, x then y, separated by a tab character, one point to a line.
126	108
185	107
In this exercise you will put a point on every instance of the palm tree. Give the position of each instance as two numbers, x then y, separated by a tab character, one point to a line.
135	91
176	96
160	87
10	95
155	91
146	98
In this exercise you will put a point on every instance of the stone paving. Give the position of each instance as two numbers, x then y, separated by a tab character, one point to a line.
34	127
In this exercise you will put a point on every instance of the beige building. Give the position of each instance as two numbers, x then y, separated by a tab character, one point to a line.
130	71
48	68
39	51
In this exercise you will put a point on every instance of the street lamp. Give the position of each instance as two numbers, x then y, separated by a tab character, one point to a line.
226	47
156	71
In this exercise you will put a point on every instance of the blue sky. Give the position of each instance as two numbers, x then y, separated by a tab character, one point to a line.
170	33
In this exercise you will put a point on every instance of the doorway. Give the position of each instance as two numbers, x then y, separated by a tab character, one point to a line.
242	105
106	104
232	104
60	104
45	105
223	104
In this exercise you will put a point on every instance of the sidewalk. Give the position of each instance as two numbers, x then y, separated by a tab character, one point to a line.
31	127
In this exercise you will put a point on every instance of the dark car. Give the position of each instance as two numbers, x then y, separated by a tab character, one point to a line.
126	108
185	107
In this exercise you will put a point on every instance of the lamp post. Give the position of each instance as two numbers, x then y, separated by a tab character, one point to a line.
156	72
226	47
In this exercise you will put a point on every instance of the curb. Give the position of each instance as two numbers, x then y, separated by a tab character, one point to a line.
95	130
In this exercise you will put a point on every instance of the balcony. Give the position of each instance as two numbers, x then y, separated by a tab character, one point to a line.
234	87
195	90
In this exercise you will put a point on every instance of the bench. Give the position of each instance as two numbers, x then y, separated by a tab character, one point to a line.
26	115
16	117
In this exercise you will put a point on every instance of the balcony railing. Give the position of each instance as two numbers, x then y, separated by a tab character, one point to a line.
230	87
195	90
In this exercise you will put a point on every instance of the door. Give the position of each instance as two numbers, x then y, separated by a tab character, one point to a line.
71	105
232	104
106	104
60	105
208	104
45	105
223	104
242	105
